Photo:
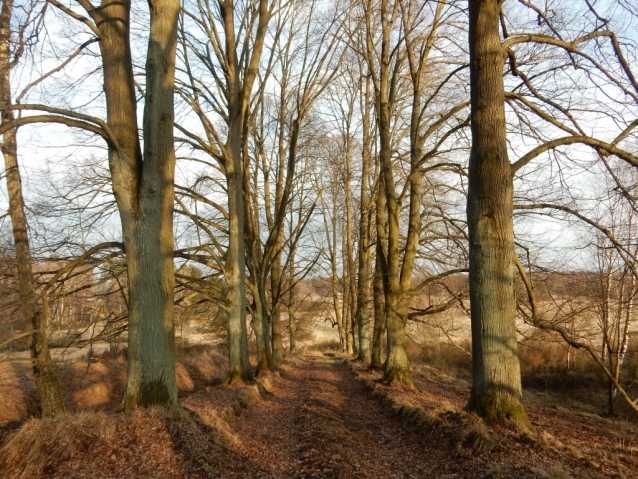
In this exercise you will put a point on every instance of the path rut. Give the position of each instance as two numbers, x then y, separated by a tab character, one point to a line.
319	422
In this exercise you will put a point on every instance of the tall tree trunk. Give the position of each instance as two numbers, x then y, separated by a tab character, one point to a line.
292	307
365	250
397	364
143	189
346	302
260	325
235	269
153	382
349	283
334	278
376	357
46	381
256	282
275	269
380	282
496	387
125	161
240	78
275	281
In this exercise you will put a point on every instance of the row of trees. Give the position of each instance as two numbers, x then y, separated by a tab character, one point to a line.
309	136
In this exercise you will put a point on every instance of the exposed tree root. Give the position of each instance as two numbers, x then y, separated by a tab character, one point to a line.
234	377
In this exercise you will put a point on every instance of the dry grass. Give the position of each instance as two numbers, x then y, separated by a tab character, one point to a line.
544	372
183	378
99	383
169	441
248	396
17	391
567	439
203	363
197	442
477	437
42	443
324	344
172	443
552	473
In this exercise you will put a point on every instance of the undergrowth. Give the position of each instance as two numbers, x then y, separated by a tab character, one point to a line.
43	445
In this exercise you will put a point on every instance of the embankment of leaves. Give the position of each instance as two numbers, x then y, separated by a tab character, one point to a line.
155	442
463	433
160	442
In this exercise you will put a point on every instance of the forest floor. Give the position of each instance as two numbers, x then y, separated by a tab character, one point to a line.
321	416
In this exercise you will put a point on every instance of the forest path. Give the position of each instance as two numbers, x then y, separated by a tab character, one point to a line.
318	421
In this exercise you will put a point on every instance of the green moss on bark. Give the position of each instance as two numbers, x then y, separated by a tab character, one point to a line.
499	406
402	375
154	394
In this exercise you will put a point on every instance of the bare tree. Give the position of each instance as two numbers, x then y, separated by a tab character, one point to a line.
366	250
560	53
236	33
496	387
12	46
399	54
142	182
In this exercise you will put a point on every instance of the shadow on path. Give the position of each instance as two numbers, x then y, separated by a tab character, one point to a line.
322	423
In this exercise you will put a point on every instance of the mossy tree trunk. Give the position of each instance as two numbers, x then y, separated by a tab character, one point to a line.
378	336
496	387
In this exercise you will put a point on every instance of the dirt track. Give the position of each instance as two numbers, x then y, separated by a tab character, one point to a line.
318	422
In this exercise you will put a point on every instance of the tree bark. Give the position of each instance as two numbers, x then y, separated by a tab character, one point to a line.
143	189
496	388
46	381
376	357
334	278
256	282
235	268
384	69
260	326
154	381
380	284
292	307
240	78
346	303
275	281
365	250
